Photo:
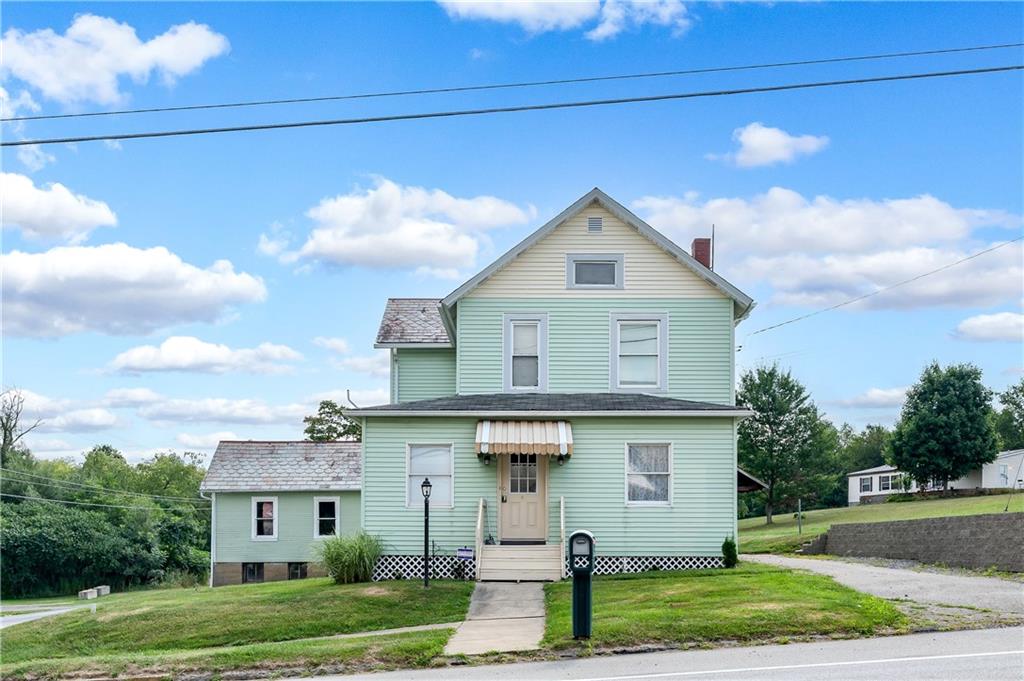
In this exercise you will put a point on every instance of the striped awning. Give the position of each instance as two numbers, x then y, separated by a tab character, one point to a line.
524	437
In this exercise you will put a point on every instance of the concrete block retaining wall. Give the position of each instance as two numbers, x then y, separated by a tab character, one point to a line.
971	541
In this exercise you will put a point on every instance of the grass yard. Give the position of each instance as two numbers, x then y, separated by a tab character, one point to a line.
781	536
177	620
748	603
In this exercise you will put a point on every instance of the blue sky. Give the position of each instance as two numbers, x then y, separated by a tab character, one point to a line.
817	195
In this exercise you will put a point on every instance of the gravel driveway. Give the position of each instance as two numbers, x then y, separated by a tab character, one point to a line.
989	593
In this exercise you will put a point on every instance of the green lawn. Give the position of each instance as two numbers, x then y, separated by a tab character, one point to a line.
781	536
177	620
750	602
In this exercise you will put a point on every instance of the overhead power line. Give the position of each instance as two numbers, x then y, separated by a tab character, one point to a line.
508	86
76	503
851	301
57	482
510	109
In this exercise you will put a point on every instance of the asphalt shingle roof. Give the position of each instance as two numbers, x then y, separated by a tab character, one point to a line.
412	320
259	465
551	402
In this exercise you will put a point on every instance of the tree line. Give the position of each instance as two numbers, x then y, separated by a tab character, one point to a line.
948	427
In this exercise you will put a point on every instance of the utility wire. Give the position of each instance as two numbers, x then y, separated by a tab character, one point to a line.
508	86
78	503
69	483
510	109
883	289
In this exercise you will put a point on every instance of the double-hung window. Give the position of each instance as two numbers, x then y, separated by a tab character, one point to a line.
326	516
648	474
594	270
865	484
526	352
639	346
264	518
435	462
885	483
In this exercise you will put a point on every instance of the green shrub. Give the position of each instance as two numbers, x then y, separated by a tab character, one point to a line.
350	559
729	555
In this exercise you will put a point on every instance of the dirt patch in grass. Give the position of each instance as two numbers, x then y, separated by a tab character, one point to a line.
375	591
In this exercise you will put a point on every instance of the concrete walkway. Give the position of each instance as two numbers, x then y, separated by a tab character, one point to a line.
503	617
990	593
9	620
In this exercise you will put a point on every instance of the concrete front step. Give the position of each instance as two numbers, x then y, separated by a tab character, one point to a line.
521	563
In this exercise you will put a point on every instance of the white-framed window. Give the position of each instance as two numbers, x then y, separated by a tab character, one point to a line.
264	518
885	482
594	270
639	352
865	484
648	474
525	361
434	461
326	517
1004	474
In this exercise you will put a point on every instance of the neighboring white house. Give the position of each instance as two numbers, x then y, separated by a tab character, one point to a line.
881	481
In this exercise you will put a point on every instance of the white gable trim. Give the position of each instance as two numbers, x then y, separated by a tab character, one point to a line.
742	301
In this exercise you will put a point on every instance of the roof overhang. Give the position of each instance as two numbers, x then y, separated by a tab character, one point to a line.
478	413
402	346
742	303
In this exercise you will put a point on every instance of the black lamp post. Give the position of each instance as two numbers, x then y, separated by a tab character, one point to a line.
425	488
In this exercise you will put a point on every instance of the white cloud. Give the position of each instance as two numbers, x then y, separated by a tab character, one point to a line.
377	364
535	16
34	158
391	226
13	107
761	145
130	397
48	445
222	410
188	353
86	63
205	440
877	398
65	416
338	345
272	246
613	16
1001	326
53	212
116	289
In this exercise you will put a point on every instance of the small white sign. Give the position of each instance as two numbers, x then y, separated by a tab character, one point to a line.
464	553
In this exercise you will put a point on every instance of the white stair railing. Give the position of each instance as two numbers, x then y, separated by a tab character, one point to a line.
561	522
481	521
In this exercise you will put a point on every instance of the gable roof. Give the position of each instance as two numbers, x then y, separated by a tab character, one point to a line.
412	322
284	466
742	302
885	468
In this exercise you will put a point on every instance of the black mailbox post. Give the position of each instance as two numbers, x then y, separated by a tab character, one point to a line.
581	562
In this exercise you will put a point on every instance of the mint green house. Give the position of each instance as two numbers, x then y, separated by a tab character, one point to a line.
584	380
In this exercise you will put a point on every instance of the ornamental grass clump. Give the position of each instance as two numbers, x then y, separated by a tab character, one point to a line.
350	559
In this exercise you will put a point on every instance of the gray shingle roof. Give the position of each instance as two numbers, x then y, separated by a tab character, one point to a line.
412	320
550	403
259	465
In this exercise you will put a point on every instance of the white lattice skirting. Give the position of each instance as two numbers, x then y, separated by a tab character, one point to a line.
611	565
411	567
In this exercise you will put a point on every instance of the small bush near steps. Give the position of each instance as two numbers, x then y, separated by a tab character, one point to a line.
350	559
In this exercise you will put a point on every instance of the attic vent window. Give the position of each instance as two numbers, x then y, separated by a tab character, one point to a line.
595	224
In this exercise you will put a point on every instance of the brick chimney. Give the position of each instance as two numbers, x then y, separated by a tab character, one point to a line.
700	249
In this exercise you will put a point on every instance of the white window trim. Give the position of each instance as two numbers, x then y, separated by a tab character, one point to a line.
252	518
671	474
570	269
541	319
408	464
316	517
662	319
871	484
884	483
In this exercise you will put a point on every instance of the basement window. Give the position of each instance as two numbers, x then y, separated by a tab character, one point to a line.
252	573
297	570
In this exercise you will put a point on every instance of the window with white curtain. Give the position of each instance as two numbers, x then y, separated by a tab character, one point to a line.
648	474
437	463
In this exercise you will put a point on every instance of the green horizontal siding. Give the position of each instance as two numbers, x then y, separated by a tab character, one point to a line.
423	373
700	354
593	484
294	526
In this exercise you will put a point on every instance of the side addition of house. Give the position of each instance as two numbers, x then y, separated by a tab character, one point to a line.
584	380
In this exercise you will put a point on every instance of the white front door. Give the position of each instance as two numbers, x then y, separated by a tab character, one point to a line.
524	494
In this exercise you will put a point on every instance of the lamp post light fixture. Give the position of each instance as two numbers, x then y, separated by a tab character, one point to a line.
425	488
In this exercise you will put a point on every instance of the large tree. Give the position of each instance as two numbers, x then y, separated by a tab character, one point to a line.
865	449
12	430
330	423
945	428
786	443
1009	421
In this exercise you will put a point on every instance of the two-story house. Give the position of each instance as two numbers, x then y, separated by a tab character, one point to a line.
584	380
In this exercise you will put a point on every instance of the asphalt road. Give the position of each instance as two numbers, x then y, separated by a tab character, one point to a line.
990	593
980	655
11	617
